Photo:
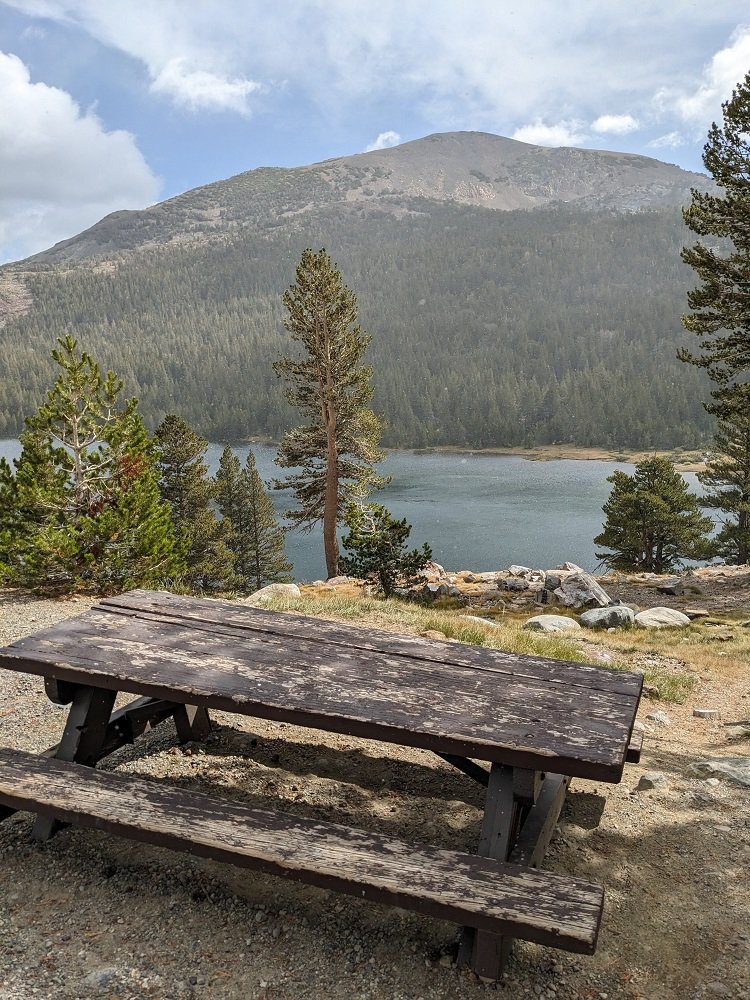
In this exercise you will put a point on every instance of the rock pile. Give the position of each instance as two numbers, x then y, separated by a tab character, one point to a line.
519	588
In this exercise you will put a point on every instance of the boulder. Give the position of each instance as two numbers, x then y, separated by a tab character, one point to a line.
661	618
651	779
580	590
516	583
551	623
478	620
737	769
267	594
615	616
518	570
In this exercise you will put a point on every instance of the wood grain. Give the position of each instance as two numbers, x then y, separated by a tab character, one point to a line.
286	669
506	899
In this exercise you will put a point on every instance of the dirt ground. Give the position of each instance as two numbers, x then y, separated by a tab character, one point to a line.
90	915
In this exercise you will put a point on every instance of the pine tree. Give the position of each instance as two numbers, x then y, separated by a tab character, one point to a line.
727	481
720	307
378	546
652	521
190	492
336	449
256	538
83	509
721	317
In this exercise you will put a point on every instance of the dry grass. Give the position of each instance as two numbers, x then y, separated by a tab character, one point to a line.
723	650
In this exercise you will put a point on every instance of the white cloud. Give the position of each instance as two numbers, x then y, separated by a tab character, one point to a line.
670	140
384	141
198	89
564	133
193	53
725	70
591	60
60	170
614	124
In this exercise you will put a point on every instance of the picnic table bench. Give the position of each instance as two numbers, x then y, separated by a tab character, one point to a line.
537	723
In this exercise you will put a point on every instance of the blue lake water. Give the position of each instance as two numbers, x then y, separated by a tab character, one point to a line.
476	511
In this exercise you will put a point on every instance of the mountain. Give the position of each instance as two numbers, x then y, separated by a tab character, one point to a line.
466	168
516	294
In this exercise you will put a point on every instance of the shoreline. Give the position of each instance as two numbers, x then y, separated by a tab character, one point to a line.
687	460
684	460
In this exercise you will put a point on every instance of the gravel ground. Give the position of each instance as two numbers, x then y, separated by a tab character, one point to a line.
90	915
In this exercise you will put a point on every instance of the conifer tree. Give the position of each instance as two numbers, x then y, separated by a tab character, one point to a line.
256	539
652	521
727	481
190	492
337	447
378	547
720	307
721	317
83	510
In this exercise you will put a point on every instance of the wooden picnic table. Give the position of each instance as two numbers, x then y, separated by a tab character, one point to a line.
536	722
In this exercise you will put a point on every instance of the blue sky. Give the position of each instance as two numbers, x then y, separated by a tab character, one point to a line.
111	104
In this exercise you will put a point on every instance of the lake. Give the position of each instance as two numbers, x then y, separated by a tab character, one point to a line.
476	511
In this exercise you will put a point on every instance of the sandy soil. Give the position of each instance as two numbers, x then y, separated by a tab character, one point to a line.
89	915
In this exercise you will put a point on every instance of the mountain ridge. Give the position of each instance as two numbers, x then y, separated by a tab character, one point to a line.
478	169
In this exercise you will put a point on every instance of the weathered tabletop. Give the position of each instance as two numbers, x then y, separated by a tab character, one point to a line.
521	711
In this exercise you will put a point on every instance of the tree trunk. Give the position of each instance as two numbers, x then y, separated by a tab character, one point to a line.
331	503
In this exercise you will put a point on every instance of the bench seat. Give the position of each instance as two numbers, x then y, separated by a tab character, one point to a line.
505	899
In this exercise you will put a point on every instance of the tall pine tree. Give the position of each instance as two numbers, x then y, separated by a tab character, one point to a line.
336	449
720	307
83	509
721	317
189	491
256	539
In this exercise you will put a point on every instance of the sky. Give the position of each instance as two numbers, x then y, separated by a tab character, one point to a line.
117	104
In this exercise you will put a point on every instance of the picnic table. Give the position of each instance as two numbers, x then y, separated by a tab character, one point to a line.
537	723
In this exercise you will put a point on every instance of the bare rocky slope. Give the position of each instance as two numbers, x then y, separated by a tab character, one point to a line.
468	168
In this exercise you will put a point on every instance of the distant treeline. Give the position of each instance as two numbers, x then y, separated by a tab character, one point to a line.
489	328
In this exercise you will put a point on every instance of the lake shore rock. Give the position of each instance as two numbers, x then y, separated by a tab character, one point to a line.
551	623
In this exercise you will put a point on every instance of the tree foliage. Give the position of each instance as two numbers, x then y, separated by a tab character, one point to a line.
83	509
653	522
377	543
720	306
726	478
721	317
189	491
336	448
255	538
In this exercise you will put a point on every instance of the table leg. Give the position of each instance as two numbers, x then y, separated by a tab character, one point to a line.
191	722
82	741
483	951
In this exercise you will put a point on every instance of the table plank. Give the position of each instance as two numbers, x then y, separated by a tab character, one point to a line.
519	720
242	617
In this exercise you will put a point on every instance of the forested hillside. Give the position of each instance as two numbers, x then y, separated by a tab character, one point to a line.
489	327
